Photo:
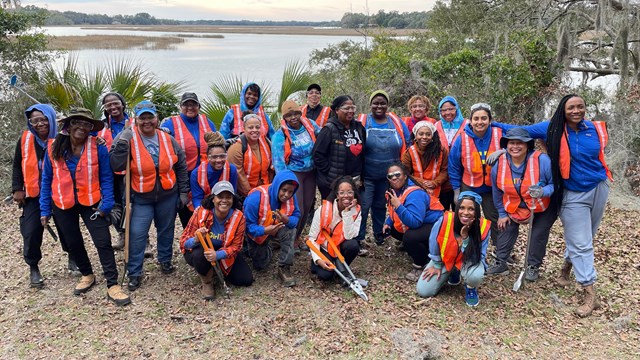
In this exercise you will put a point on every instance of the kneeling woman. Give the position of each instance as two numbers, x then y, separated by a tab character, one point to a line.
220	216
457	246
339	218
410	216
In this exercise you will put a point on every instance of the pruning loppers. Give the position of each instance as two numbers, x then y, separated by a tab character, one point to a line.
205	241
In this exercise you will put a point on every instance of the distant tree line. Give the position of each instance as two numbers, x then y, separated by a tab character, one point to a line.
392	19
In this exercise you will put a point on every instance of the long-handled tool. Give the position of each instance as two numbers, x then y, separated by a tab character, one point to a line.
13	82
519	281
352	281
205	241
127	212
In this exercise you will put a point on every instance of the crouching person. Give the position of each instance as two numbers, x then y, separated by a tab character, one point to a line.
272	215
457	247
219	216
339	218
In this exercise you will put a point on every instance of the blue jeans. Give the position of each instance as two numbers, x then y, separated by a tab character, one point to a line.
374	201
163	213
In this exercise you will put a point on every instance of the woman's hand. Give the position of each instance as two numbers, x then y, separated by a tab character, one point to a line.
464	232
324	264
393	199
353	204
386	229
431	272
503	222
19	196
44	220
272	230
280	217
428	184
210	255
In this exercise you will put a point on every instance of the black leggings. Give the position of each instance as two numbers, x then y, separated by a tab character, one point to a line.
240	274
416	242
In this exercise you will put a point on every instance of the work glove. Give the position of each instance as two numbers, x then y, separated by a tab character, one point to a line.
190	243
492	159
536	191
183	200
115	216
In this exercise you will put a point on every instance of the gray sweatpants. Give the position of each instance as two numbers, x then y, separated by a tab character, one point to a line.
471	275
261	254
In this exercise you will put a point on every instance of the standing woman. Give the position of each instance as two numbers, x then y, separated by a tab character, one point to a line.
292	148
220	216
338	150
410	217
449	127
457	247
77	178
387	139
158	178
419	106
215	169
251	155
250	100
428	161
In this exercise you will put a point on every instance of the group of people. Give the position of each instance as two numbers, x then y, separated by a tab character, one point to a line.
443	188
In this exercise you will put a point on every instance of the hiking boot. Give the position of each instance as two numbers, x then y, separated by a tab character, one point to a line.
591	302
284	274
208	291
471	297
454	277
134	283
117	296
85	283
166	267
73	268
414	274
498	268
379	239
148	251
119	244
565	274
532	273
35	279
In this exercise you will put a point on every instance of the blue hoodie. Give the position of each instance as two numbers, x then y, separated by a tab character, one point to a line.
227	122
252	204
456	168
415	211
50	113
457	121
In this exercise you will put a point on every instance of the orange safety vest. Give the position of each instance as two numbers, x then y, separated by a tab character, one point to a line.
188	143
429	173
30	171
287	136
397	123
87	183
265	213
443	136
397	223
205	219
449	249
322	118
107	135
475	171
504	181
143	169
337	233
238	123
565	151
203	179
257	169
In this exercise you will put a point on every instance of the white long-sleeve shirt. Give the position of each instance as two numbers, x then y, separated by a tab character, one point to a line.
350	227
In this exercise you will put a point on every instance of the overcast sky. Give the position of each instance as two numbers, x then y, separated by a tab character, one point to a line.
319	10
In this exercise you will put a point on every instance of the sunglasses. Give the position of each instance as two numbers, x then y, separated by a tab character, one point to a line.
394	175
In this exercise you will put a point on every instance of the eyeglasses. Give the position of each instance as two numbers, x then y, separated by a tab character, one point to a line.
313	92
394	175
190	104
348	108
290	115
217	157
345	193
37	120
112	104
81	123
418	106
443	110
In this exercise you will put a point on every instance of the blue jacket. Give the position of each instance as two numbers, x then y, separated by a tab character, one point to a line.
49	112
434	247
252	204
456	168
301	159
197	193
192	125
227	122
457	121
415	211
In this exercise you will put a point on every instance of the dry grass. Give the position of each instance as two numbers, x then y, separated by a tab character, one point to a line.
312	320
114	42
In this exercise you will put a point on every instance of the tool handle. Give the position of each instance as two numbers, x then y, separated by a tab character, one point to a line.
335	248
202	241
317	251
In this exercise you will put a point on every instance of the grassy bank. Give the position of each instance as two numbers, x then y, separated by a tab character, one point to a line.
114	42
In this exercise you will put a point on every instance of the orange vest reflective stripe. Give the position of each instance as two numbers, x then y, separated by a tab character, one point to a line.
143	169
504	181
203	179
429	173
475	172
238	123
443	136
205	219
322	118
397	123
30	171
257	169
188	143
449	249
87	182
265	213
397	223
336	233
287	135
565	151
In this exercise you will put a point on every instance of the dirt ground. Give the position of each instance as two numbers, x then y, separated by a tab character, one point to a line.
168	320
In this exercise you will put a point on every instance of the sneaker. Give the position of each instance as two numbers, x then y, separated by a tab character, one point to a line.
73	268
119	244
498	268
284	274
134	283
117	296
454	277
35	279
532	273
166	267
414	274
471	297
85	283
363	252
379	239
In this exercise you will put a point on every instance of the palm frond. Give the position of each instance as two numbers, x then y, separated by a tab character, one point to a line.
130	79
295	77
165	97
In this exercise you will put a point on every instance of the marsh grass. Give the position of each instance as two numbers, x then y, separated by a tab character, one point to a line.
114	42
